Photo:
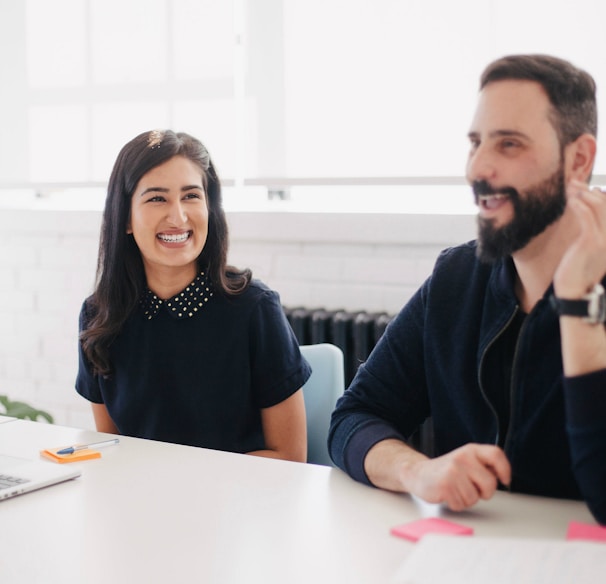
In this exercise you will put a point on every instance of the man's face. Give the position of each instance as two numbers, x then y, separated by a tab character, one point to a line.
515	167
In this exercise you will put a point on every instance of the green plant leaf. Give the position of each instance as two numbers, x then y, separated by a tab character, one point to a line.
23	411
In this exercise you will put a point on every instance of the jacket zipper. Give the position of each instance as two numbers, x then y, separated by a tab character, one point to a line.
513	383
490	344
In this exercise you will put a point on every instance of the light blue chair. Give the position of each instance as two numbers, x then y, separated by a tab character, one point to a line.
323	388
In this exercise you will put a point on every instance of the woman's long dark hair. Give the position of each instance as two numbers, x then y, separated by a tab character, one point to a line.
120	280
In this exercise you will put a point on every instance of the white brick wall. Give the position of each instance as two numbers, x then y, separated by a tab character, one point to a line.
47	264
353	261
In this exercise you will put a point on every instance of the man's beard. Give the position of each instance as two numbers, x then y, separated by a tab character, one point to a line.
535	210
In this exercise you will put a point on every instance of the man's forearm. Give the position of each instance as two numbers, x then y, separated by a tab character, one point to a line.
583	346
387	464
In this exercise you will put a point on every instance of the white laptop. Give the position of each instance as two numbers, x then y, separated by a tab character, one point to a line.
21	475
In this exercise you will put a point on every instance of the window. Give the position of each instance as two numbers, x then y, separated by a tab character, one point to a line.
107	70
349	99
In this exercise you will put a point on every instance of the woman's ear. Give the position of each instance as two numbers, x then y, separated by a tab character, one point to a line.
580	156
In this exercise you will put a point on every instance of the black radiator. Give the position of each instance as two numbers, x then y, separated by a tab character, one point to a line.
355	333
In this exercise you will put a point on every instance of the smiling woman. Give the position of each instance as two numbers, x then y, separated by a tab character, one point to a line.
169	223
175	344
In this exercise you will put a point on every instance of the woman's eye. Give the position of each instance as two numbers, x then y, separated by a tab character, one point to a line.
192	196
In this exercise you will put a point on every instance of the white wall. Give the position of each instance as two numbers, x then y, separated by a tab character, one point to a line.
48	257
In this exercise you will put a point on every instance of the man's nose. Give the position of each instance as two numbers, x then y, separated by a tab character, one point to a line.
481	165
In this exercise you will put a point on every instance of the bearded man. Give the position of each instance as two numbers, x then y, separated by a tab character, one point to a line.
504	345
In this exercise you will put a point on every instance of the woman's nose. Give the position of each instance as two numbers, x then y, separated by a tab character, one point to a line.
176	213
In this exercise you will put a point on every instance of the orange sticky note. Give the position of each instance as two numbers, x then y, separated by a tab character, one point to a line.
578	530
77	456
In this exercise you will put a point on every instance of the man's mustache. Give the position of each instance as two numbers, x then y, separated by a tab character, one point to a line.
483	187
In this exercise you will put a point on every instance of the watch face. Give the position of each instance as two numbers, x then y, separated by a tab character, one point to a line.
601	309
596	309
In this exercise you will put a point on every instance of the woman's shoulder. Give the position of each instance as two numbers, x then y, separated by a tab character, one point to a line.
256	291
259	287
257	298
87	311
257	303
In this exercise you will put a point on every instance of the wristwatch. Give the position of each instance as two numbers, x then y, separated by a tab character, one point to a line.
591	307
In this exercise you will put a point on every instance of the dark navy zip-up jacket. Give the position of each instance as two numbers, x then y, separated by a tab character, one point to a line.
432	361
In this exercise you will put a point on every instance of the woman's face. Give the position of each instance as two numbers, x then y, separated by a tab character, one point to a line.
169	221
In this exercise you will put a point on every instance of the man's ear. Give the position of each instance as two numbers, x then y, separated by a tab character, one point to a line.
580	156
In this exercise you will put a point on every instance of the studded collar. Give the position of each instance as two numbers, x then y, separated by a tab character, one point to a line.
183	305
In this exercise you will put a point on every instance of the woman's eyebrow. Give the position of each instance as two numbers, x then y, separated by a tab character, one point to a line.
154	190
165	190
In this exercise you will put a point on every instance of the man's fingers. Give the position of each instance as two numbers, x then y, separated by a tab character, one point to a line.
474	471
485	482
461	477
494	458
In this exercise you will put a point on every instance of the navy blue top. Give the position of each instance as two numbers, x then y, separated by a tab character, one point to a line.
199	380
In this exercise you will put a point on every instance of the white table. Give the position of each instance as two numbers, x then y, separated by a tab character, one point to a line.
151	512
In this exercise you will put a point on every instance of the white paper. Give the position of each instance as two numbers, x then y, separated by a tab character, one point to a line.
439	559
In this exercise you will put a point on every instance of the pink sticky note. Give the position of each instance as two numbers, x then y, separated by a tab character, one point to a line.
578	530
415	530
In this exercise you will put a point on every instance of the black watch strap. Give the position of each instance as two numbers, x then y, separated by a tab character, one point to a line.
591	308
566	307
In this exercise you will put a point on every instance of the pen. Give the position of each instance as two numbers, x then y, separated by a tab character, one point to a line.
72	449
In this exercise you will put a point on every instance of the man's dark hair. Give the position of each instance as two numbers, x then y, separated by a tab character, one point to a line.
571	91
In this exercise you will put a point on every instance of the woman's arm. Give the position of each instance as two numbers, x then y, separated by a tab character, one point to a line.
103	422
285	430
